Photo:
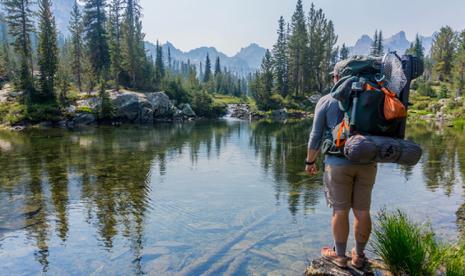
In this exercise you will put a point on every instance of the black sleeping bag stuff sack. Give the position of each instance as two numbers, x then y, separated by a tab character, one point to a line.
364	148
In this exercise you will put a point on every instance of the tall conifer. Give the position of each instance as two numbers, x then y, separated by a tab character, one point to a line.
20	26
47	50
76	29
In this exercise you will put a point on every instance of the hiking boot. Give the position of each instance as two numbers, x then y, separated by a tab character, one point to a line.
330	255
358	261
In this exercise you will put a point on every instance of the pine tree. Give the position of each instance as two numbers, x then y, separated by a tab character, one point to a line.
159	66
20	26
459	65
344	52
416	48
280	60
47	50
96	36
263	90
130	59
115	39
144	65
207	71
380	47
375	44
322	52
298	52
217	66
76	29
442	53
169	58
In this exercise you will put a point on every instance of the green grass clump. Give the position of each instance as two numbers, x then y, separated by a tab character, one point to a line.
405	247
454	260
12	113
226	99
84	109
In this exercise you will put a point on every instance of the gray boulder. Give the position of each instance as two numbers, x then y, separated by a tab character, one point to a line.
127	106
84	119
161	105
187	110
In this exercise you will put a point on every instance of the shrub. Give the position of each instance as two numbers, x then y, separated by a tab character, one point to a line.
204	105
425	89
443	91
406	248
12	113
47	111
176	92
106	109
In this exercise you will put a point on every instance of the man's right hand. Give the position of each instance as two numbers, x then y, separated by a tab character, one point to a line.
312	169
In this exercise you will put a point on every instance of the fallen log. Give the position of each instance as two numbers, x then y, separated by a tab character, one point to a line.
323	267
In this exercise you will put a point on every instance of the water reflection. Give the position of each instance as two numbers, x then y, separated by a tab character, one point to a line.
116	180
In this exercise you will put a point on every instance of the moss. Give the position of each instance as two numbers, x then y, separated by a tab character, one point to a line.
84	109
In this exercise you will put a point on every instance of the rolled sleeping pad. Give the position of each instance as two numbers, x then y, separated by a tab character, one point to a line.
360	148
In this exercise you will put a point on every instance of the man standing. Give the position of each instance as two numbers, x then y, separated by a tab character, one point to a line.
348	185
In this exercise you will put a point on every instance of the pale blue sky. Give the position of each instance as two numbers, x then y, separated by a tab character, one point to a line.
229	25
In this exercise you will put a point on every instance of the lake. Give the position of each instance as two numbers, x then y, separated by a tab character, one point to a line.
218	197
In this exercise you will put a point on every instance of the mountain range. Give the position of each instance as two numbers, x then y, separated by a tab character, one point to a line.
246	61
398	42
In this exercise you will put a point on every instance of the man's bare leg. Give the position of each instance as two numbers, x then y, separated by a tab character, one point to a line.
340	225
362	230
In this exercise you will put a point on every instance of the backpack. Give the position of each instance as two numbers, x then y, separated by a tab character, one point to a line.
370	108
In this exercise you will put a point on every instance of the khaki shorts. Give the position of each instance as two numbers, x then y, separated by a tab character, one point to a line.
349	186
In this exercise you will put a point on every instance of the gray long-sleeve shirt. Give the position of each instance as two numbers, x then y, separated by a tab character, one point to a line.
327	117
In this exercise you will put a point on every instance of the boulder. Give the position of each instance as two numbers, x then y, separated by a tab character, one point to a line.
127	106
70	109
322	266
161	105
187	110
84	119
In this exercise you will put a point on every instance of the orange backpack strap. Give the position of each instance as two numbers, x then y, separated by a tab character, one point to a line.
343	127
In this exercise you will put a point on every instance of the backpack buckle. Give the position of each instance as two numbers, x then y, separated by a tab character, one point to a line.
380	78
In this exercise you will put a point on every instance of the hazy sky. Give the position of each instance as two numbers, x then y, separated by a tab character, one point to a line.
230	25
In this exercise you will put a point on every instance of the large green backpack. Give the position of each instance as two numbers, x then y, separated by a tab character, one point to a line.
361	97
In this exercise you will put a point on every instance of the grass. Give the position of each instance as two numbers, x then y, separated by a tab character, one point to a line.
454	261
405	247
226	99
12	113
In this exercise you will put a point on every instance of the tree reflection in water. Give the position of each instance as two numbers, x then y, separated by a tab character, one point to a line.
43	173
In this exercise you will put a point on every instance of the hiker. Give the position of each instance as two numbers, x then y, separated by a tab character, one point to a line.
348	185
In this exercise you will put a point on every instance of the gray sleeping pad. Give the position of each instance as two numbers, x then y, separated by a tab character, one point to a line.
378	149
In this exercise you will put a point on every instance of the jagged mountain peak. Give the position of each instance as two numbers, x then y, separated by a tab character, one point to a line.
397	42
247	60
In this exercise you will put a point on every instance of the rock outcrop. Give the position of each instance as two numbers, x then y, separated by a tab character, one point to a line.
322	266
132	108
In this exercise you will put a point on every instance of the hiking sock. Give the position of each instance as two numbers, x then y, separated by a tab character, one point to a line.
341	248
360	248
